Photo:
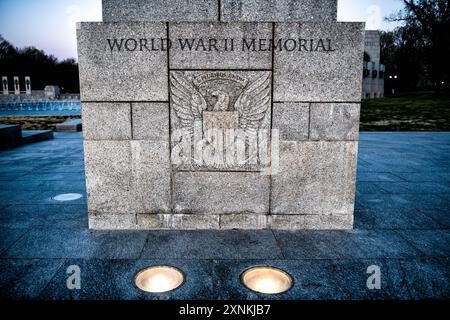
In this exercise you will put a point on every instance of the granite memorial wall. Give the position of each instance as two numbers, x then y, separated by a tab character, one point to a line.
220	114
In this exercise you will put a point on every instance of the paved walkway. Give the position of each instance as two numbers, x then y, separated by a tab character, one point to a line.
402	222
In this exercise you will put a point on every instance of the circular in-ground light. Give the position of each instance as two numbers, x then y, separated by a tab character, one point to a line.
266	279
159	279
67	197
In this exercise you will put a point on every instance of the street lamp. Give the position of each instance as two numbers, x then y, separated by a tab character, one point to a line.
393	78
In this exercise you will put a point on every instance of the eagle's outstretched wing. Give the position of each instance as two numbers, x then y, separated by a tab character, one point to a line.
187	101
253	103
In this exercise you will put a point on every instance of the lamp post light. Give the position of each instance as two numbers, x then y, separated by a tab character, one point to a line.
393	79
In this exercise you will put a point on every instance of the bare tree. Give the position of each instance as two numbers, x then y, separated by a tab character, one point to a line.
427	29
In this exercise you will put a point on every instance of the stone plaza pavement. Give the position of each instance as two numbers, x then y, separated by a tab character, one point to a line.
402	222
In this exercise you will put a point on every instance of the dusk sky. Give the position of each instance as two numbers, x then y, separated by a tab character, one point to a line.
50	24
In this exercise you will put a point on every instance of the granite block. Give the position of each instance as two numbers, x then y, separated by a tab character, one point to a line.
178	221
220	45
315	178
334	121
292	119
427	278
220	192
113	280
211	244
124	177
150	121
160	10
151	176
106	121
106	50
244	221
9	236
343	244
312	64
109	182
311	222
24	279
78	243
278	10
112	221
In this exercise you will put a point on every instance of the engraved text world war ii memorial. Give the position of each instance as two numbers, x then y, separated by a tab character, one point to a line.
208	114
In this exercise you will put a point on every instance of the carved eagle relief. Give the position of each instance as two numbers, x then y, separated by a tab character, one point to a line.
251	105
222	114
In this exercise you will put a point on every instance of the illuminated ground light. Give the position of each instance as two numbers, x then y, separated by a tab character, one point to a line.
267	280
158	279
67	197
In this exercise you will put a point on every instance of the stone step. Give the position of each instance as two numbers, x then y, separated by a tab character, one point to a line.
30	136
10	135
69	125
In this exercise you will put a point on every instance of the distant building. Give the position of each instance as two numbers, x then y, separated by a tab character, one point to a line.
374	72
51	92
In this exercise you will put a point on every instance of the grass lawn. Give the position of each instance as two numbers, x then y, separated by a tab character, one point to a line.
36	122
419	113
